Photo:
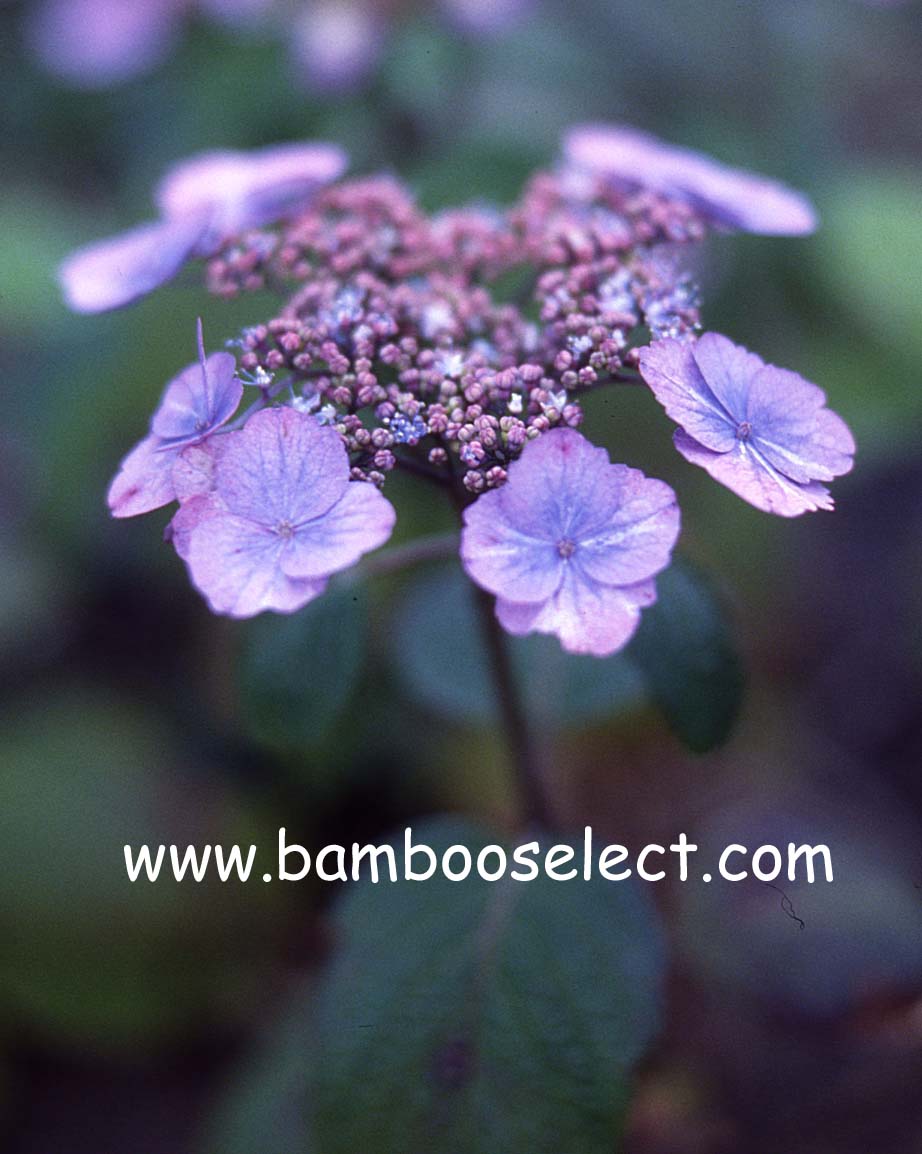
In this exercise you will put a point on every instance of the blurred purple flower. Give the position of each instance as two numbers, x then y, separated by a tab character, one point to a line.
235	13
202	398
95	43
336	43
763	432
98	43
731	197
281	515
203	201
485	17
571	543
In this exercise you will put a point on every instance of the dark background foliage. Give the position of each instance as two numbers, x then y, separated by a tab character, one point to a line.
160	1019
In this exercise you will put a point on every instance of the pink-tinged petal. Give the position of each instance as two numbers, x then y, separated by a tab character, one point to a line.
200	183
793	430
730	196
833	445
619	152
199	399
569	543
558	488
243	190
284	180
729	370
337	43
587	617
144	481
748	201
670	369
204	200
361	520
282	468
187	517
502	559
783	440
193	472
639	538
751	476
95	43
114	272
235	565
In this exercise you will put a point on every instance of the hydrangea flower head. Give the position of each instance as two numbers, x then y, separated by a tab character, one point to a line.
729	196
396	347
280	517
571	543
762	431
202	398
203	201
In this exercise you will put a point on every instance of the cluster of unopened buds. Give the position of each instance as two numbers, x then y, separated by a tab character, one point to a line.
459	347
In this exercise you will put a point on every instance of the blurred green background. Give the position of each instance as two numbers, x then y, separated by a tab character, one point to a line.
129	714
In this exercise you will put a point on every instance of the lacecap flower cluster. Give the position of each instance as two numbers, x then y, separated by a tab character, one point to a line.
459	347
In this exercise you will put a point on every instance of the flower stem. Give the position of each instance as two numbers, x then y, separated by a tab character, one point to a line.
422	469
536	806
625	376
523	749
435	547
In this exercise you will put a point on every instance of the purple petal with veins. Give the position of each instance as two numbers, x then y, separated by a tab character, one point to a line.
762	431
144	480
234	562
191	513
570	543
749	475
197	402
359	521
670	369
588	617
281	516
286	468
201	398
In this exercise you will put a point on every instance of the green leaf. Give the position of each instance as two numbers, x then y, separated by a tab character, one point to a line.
868	256
870	251
89	957
484	1016
441	659
38	230
862	934
686	653
298	672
